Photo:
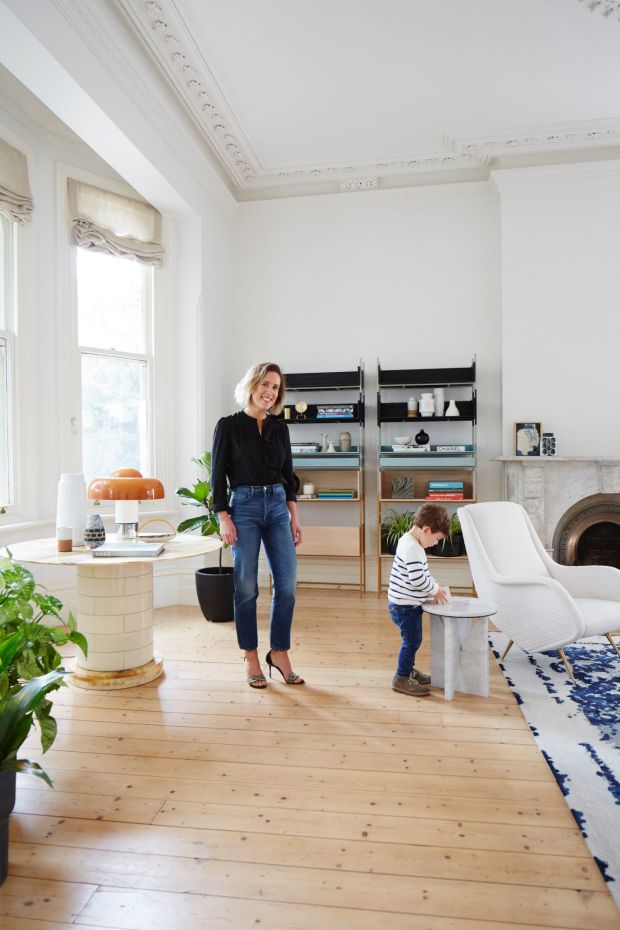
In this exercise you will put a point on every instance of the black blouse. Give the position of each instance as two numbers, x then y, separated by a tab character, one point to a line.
243	455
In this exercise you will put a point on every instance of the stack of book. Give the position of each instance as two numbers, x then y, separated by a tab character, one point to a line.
336	494
334	411
445	491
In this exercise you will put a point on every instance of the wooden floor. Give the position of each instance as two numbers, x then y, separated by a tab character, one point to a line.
195	802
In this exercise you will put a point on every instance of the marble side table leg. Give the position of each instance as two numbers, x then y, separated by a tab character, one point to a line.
115	613
459	655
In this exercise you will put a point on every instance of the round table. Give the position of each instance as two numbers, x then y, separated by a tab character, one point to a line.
114	608
459	645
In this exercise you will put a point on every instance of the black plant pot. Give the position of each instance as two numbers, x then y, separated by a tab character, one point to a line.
449	549
215	589
7	803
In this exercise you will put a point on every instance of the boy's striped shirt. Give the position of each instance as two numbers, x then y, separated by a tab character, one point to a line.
410	579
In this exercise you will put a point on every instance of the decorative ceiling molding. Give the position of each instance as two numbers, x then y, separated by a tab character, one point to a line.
606	7
575	171
174	43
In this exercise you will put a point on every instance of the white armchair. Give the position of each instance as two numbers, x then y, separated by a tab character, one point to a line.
541	604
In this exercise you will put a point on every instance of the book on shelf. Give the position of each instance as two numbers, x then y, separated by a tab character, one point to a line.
128	550
446	485
466	447
445	497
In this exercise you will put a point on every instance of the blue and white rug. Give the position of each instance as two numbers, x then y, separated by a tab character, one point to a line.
578	731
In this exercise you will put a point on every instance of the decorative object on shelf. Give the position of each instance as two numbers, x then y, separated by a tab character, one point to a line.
334	412
344	441
301	406
94	532
309	489
287	413
452	410
549	445
402	440
527	438
412	407
440	401
422	438
402	487
125	486
297	448
71	505
427	405
324	442
331	447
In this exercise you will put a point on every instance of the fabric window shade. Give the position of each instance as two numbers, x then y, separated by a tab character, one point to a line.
114	224
15	197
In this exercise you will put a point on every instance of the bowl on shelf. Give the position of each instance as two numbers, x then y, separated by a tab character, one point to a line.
402	440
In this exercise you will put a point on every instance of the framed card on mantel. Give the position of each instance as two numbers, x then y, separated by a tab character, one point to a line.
527	438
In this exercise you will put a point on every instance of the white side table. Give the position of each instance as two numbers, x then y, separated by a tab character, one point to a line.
115	608
459	645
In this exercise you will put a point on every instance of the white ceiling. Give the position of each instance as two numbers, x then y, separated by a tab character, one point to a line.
307	95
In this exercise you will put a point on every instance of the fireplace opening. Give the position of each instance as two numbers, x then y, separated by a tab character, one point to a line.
589	532
599	545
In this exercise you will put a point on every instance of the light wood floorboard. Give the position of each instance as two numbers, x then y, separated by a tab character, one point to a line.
196	802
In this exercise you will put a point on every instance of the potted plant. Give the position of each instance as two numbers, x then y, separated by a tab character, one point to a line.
393	526
214	585
451	545
30	668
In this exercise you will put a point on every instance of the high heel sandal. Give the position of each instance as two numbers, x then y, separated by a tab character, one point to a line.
292	679
259	682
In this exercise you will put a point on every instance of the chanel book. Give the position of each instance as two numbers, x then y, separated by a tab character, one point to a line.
128	550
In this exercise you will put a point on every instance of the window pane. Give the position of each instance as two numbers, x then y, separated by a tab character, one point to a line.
5	477
114	414
110	302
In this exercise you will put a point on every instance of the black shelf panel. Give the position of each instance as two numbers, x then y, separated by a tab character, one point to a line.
325	381
311	417
397	413
426	377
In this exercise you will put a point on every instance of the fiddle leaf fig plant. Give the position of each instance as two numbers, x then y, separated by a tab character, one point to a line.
200	496
30	664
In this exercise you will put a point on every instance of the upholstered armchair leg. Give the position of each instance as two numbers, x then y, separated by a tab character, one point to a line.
613	645
506	650
567	666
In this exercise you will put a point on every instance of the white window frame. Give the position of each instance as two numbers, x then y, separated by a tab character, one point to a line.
159	347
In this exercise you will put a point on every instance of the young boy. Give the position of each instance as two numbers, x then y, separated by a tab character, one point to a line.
410	586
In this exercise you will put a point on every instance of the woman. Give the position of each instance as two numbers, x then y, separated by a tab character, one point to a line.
253	451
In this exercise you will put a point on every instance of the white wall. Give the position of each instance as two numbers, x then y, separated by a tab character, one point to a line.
411	277
560	229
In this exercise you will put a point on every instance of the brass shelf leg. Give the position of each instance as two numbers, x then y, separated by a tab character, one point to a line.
613	645
506	650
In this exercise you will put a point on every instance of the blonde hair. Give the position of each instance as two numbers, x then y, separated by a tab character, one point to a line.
254	376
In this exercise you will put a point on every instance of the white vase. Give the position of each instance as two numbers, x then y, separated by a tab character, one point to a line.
452	410
440	401
426	405
71	505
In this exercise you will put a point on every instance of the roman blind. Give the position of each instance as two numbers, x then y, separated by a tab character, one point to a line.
115	224
15	197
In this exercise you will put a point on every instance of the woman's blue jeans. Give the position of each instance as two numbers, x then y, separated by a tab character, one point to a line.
408	619
261	514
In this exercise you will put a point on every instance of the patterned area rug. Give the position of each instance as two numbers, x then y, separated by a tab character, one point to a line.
578	731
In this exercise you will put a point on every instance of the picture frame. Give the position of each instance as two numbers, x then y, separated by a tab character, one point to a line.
528	437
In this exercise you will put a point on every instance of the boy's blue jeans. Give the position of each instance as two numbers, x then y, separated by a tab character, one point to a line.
408	619
261	514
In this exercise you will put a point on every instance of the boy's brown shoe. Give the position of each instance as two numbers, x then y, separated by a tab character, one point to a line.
421	677
407	685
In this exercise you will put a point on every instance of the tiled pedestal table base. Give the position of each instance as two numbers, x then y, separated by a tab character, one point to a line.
115	613
115	608
459	645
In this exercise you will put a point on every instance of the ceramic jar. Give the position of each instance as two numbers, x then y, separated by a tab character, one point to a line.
427	405
71	505
344	441
94	533
439	401
412	407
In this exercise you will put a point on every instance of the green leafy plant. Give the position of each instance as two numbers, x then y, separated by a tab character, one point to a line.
30	664
395	525
455	525
200	495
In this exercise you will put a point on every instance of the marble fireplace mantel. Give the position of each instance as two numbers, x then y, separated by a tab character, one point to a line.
548	486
